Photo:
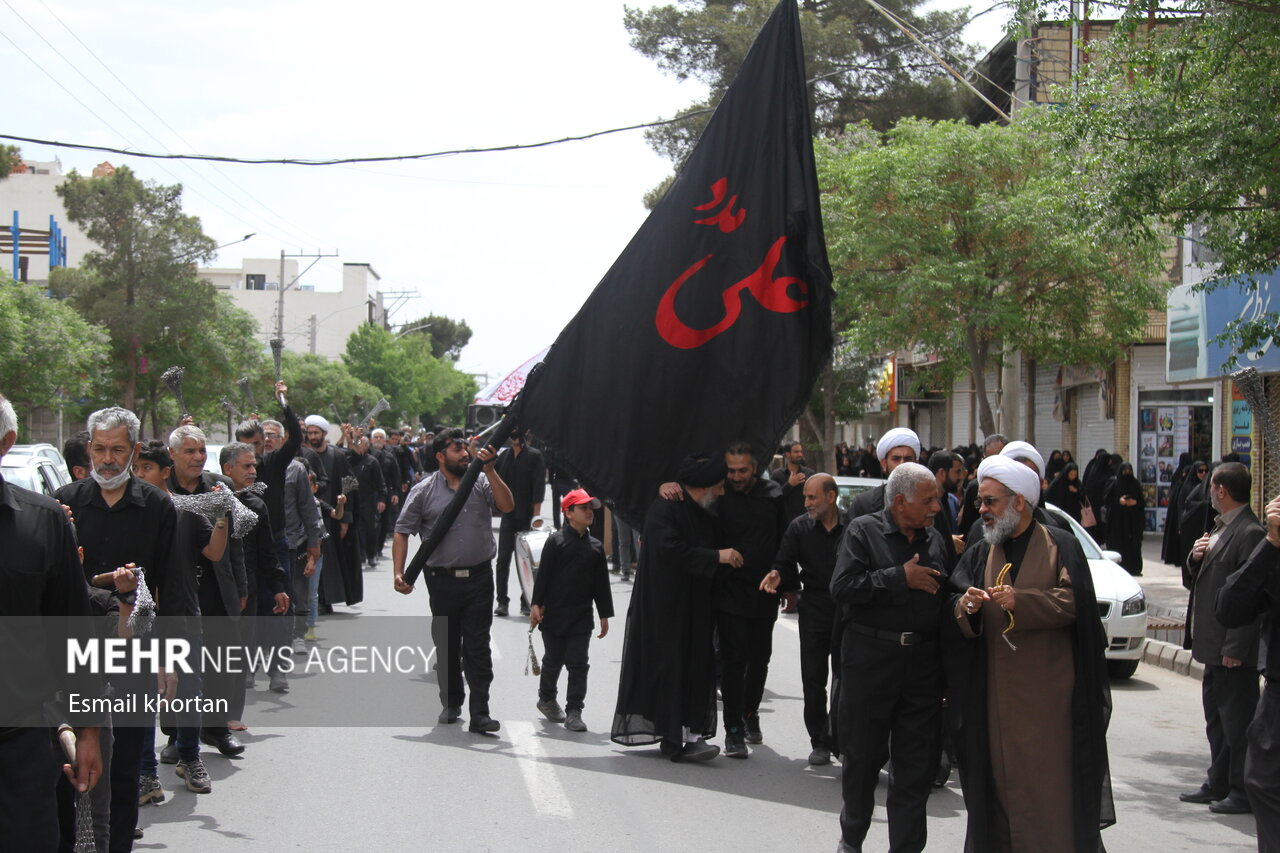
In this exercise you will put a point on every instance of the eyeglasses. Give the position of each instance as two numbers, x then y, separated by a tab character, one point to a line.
982	503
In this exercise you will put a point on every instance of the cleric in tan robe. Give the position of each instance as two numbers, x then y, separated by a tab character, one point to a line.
1028	679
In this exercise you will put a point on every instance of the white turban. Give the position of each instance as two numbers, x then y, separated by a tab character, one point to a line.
317	421
1022	450
1013	474
897	437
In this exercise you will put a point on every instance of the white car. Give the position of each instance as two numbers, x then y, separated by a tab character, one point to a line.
44	451
1121	602
35	473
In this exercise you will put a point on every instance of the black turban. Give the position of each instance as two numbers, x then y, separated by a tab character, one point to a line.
701	471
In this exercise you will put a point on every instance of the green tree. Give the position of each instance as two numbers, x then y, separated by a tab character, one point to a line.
840	395
413	379
10	158
970	243
141	282
62	356
862	67
448	336
1182	122
315	384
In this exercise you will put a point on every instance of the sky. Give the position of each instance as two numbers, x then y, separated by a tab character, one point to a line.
511	242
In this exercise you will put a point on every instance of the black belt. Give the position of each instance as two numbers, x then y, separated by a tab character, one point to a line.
459	571
902	638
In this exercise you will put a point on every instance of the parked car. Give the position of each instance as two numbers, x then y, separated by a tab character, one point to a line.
1121	602
211	462
848	487
33	472
43	450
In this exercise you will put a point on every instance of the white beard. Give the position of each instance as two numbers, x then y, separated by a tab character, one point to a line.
1006	523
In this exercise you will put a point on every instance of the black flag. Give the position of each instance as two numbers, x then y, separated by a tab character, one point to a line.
714	322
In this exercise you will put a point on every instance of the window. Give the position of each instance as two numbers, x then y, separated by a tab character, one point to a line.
255	281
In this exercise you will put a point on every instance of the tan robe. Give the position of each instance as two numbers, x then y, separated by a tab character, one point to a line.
1029	698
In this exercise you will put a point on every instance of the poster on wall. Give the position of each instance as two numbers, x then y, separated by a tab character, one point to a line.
1241	427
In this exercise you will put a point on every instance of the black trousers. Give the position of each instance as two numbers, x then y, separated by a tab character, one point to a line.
567	652
221	634
746	645
460	622
511	525
1262	768
29	771
1230	697
815	670
891	696
126	767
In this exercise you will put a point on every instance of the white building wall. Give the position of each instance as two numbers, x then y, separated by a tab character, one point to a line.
34	195
337	313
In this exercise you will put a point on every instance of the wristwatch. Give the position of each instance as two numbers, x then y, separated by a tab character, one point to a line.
129	597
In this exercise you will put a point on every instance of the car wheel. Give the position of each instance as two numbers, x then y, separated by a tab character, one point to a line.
1122	668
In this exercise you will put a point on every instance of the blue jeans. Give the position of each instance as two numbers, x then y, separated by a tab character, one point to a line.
313	594
187	739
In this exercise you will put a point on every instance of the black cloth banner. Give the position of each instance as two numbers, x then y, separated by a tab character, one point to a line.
715	321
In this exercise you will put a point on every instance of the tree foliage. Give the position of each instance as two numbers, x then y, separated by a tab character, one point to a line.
969	242
142	283
59	356
414	380
1182	122
448	336
862	67
10	158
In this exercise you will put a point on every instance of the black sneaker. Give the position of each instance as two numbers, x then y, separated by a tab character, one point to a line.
169	754
752	724
820	756
573	721
552	711
483	724
698	751
500	610
734	744
449	715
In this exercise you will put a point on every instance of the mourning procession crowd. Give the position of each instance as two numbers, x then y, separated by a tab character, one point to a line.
946	619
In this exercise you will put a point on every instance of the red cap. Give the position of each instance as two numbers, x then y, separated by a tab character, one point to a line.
576	497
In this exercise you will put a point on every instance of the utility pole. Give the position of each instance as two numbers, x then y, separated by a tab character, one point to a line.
316	256
313	334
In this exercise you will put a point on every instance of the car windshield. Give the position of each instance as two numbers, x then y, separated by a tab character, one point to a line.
847	492
1091	549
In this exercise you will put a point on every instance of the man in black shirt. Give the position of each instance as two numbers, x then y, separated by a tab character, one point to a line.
1252	590
40	575
572	573
268	600
385	453
810	542
751	519
791	476
342	579
372	497
886	580
523	470
121	520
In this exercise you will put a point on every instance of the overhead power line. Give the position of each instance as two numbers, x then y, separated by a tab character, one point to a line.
339	161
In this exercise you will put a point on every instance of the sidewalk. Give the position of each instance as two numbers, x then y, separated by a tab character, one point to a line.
1166	612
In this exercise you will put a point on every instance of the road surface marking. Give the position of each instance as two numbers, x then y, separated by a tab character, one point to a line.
540	777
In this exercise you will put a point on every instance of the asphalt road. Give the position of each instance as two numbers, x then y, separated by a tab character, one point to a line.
535	786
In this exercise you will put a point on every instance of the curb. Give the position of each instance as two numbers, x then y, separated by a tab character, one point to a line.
1173	658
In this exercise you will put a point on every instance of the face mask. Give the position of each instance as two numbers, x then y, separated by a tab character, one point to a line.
110	484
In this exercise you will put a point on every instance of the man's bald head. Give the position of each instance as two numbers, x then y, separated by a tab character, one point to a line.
820	495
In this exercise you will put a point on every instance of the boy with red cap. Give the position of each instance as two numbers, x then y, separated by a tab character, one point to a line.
571	575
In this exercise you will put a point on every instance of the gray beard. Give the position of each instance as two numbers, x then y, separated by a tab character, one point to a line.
708	504
1006	523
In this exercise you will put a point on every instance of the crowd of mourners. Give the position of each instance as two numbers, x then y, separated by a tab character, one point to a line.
946	614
